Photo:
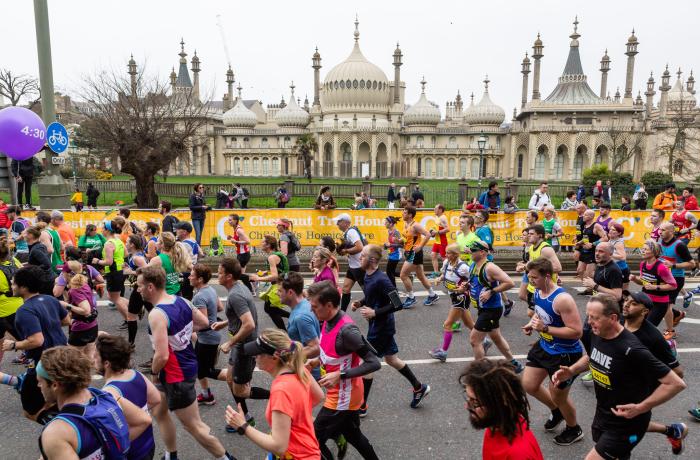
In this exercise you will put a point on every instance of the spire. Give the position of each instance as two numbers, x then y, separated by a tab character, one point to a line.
292	88
486	84
690	83
182	53
422	85
575	36
573	62
183	75
357	29
240	89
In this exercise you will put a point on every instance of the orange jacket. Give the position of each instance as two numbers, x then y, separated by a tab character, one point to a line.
665	201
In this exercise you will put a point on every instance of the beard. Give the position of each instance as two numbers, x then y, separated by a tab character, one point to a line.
478	423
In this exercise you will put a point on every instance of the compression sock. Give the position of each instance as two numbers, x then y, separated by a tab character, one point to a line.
133	327
259	393
368	386
345	301
241	401
446	340
8	379
406	372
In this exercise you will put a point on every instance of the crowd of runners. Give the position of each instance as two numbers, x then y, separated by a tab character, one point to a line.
317	354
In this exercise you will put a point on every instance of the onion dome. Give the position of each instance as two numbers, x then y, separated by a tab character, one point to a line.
292	115
679	98
422	112
355	83
240	116
485	112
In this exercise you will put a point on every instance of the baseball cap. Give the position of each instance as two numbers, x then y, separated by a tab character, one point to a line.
479	246
639	297
344	216
186	226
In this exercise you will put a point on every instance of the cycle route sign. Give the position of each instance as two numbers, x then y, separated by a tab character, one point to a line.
57	137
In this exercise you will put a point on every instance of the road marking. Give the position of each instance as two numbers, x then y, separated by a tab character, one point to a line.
690	320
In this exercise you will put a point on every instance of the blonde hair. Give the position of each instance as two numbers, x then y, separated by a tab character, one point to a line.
654	247
326	254
289	352
374	252
179	256
77	279
453	247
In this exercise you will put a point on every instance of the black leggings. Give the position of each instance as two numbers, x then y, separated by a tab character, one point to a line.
276	314
329	424
206	361
391	270
26	184
657	313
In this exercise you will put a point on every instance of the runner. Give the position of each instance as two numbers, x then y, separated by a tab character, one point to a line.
350	246
394	245
656	281
483	231
465	237
637	306
174	367
497	402
622	366
51	240
207	346
39	257
19	224
486	280
552	229
289	244
676	256
656	218
136	306
345	358
113	262
174	258
242	323
8	302
64	375
604	218
607	277
615	237
183	231
82	308
321	262
303	325
558	323
524	293
413	252
277	266
440	236
378	306
580	209
240	240
150	235
589	234
537	248
683	222
112	360
169	221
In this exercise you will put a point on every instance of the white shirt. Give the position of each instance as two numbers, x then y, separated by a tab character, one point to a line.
352	236
537	204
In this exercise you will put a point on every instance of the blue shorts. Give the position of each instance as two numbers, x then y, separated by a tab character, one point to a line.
384	345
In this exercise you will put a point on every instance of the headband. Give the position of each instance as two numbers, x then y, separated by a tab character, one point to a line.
41	372
108	225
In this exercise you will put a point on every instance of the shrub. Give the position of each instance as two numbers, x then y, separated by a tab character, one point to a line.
656	179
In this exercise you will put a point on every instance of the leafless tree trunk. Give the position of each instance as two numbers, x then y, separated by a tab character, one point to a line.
17	86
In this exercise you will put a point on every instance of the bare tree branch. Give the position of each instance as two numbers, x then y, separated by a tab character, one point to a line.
17	86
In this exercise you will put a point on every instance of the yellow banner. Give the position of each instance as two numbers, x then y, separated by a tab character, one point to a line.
310	225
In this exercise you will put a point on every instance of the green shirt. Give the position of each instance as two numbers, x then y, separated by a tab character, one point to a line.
96	241
464	241
172	278
56	244
117	256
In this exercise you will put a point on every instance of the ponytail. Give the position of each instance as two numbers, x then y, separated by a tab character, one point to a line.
289	352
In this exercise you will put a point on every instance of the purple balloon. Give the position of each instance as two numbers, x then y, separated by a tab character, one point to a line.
22	133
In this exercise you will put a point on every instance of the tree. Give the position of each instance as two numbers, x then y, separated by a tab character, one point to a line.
306	147
147	129
17	86
623	146
679	141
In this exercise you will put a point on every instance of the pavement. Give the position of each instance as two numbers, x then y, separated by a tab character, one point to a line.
439	429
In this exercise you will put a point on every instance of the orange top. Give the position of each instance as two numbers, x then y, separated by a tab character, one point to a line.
665	201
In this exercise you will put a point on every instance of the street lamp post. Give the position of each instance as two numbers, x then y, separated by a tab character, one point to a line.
482	144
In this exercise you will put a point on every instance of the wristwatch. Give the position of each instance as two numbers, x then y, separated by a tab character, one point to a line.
343	374
545	329
241	429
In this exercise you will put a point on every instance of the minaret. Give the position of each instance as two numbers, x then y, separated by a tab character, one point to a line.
690	84
537	55
663	103
195	71
650	94
525	71
132	74
229	81
316	64
631	52
458	104
173	79
306	102
397	74
604	69
617	95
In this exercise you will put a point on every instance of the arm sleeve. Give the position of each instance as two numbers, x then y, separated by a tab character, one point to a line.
683	253
352	341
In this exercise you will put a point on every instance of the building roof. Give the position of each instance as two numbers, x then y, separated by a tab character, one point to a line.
422	112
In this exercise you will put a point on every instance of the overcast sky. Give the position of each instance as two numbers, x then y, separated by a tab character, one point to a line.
453	43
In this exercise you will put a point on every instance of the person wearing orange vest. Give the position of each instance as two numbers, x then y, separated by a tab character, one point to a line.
345	356
666	200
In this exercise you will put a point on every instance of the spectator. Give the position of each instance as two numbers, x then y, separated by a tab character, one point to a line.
491	199
666	200
598	189
540	198
625	203
391	197
691	202
77	199
607	192
282	196
198	211
419	203
17	226
402	197
169	220
570	201
509	206
417	195
230	201
92	193
4	221
472	205
23	172
221	198
640	197
595	203
244	195
325	200
580	192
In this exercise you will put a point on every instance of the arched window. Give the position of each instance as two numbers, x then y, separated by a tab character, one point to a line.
440	168
474	169
346	151
275	166
237	166
265	167
452	143
541	162
521	160
678	167
428	168
255	167
559	166
451	168
263	143
463	167
287	142
246	142
433	141
246	167
578	166
419	142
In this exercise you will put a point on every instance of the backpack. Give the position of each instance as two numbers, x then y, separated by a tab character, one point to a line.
9	272
362	237
105	417
284	262
294	244
216	247
284	197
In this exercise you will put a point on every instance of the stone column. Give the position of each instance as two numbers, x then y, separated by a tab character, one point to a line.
354	155
336	155
532	152
373	157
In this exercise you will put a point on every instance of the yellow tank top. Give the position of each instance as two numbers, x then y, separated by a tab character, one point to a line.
408	238
534	254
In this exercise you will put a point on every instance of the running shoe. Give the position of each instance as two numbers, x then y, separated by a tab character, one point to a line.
695	412
570	435
695	273
674	347
20	382
587	378
670	335
696	290
679	318
687	299
508	307
419	395
431	299
342	444
487	344
680	431
362	411
408	303
21	359
439	354
111	306
518	366
123	326
456	326
206	400
555	418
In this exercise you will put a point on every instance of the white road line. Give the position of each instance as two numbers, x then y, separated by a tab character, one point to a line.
690	320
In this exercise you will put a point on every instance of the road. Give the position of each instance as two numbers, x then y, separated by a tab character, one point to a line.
439	429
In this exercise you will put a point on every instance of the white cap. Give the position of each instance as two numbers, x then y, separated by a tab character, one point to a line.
343	216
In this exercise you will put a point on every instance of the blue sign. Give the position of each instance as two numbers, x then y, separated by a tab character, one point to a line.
57	137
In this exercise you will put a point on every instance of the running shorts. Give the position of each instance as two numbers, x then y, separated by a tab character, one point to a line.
179	394
243	258
673	295
115	281
488	319
459	300
538	358
82	338
356	274
206	358
242	366
440	249
384	345
414	257
612	445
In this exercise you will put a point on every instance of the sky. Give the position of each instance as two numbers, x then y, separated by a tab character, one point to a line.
454	44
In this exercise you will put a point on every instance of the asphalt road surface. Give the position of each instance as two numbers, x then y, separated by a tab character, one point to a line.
439	429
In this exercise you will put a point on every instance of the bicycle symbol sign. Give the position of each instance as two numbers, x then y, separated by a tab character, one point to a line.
57	137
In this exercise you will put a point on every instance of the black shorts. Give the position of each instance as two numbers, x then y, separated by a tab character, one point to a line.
673	295
30	395
7	324
459	300
135	302
115	281
329	423
613	445
82	338
414	257
537	357
384	345
587	257
357	275
179	394
243	258
657	313
206	359
488	318
242	366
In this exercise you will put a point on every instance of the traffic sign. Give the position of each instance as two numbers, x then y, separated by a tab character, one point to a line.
58	160
57	137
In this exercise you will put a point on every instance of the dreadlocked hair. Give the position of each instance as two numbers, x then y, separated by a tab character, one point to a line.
498	389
